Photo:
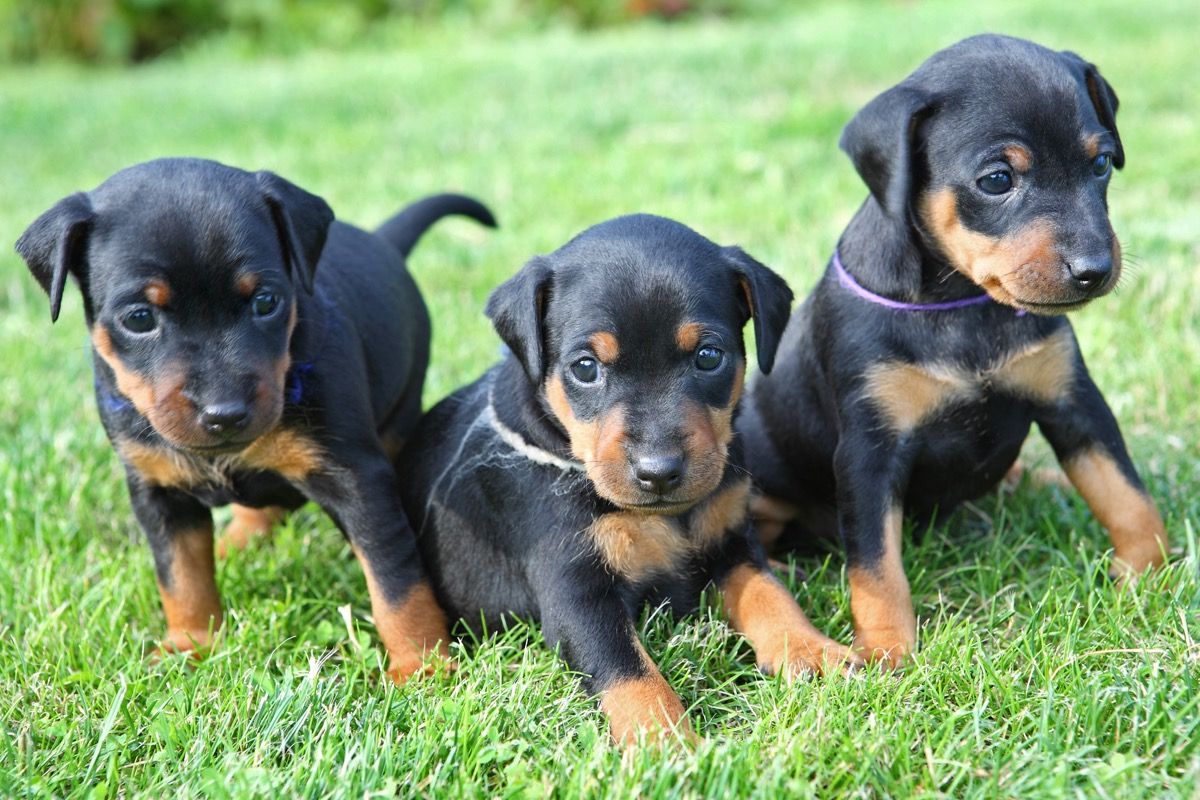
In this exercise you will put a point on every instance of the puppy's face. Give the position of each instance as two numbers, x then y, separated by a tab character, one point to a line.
1013	147
641	357
187	282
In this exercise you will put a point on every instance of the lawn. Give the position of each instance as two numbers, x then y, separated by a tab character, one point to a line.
1034	679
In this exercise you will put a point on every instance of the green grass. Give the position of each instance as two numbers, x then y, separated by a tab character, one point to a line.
1033	680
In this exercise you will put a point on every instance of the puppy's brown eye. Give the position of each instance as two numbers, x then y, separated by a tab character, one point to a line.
586	370
264	304
709	358
140	320
1101	165
998	182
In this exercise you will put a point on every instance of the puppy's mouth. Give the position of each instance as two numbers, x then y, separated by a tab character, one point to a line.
1050	309
664	506
1055	299
222	449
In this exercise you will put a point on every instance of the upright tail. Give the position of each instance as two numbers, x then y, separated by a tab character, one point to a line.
406	228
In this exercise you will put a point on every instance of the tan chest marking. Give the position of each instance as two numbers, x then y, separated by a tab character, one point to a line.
288	452
160	466
636	546
909	394
726	510
1043	372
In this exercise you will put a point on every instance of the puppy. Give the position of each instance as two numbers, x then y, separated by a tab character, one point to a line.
595	470
248	349
908	380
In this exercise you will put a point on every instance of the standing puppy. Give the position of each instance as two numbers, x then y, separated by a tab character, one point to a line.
248	349
909	379
595	469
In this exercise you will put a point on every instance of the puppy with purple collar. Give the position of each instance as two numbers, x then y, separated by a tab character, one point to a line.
909	379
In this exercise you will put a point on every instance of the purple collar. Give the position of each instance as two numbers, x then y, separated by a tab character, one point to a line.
847	280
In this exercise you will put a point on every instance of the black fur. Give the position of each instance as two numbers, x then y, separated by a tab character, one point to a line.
504	535
812	438
352	369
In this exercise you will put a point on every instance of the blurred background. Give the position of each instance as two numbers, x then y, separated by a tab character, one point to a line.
125	31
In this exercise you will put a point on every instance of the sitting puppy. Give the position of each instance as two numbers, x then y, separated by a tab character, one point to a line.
595	470
249	349
908	381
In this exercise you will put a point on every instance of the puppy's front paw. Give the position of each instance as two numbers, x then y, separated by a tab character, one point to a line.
645	711
248	525
890	647
812	656
419	664
194	642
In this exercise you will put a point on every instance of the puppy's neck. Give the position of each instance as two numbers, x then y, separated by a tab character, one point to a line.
891	257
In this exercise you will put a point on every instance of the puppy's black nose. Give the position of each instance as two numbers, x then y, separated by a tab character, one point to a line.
659	474
224	418
1090	274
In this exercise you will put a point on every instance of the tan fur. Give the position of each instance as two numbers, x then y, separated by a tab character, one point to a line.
635	546
1019	157
412	630
784	641
721	419
687	336
247	525
246	283
1044	372
191	602
885	626
158	293
605	346
771	515
283	450
598	444
645	706
582	435
1091	145
286	451
147	397
1021	267
160	466
724	511
908	394
1133	523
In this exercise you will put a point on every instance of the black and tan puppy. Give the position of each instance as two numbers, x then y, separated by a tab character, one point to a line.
595	469
248	349
908	381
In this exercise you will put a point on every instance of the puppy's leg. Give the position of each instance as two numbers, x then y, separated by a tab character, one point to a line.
870	520
1088	443
247	525
784	641
771	515
594	632
359	491
180	532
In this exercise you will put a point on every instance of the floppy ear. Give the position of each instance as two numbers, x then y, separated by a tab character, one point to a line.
1104	99
516	309
55	244
768	300
302	221
880	140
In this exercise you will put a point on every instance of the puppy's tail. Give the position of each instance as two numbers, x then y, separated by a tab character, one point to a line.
404	230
